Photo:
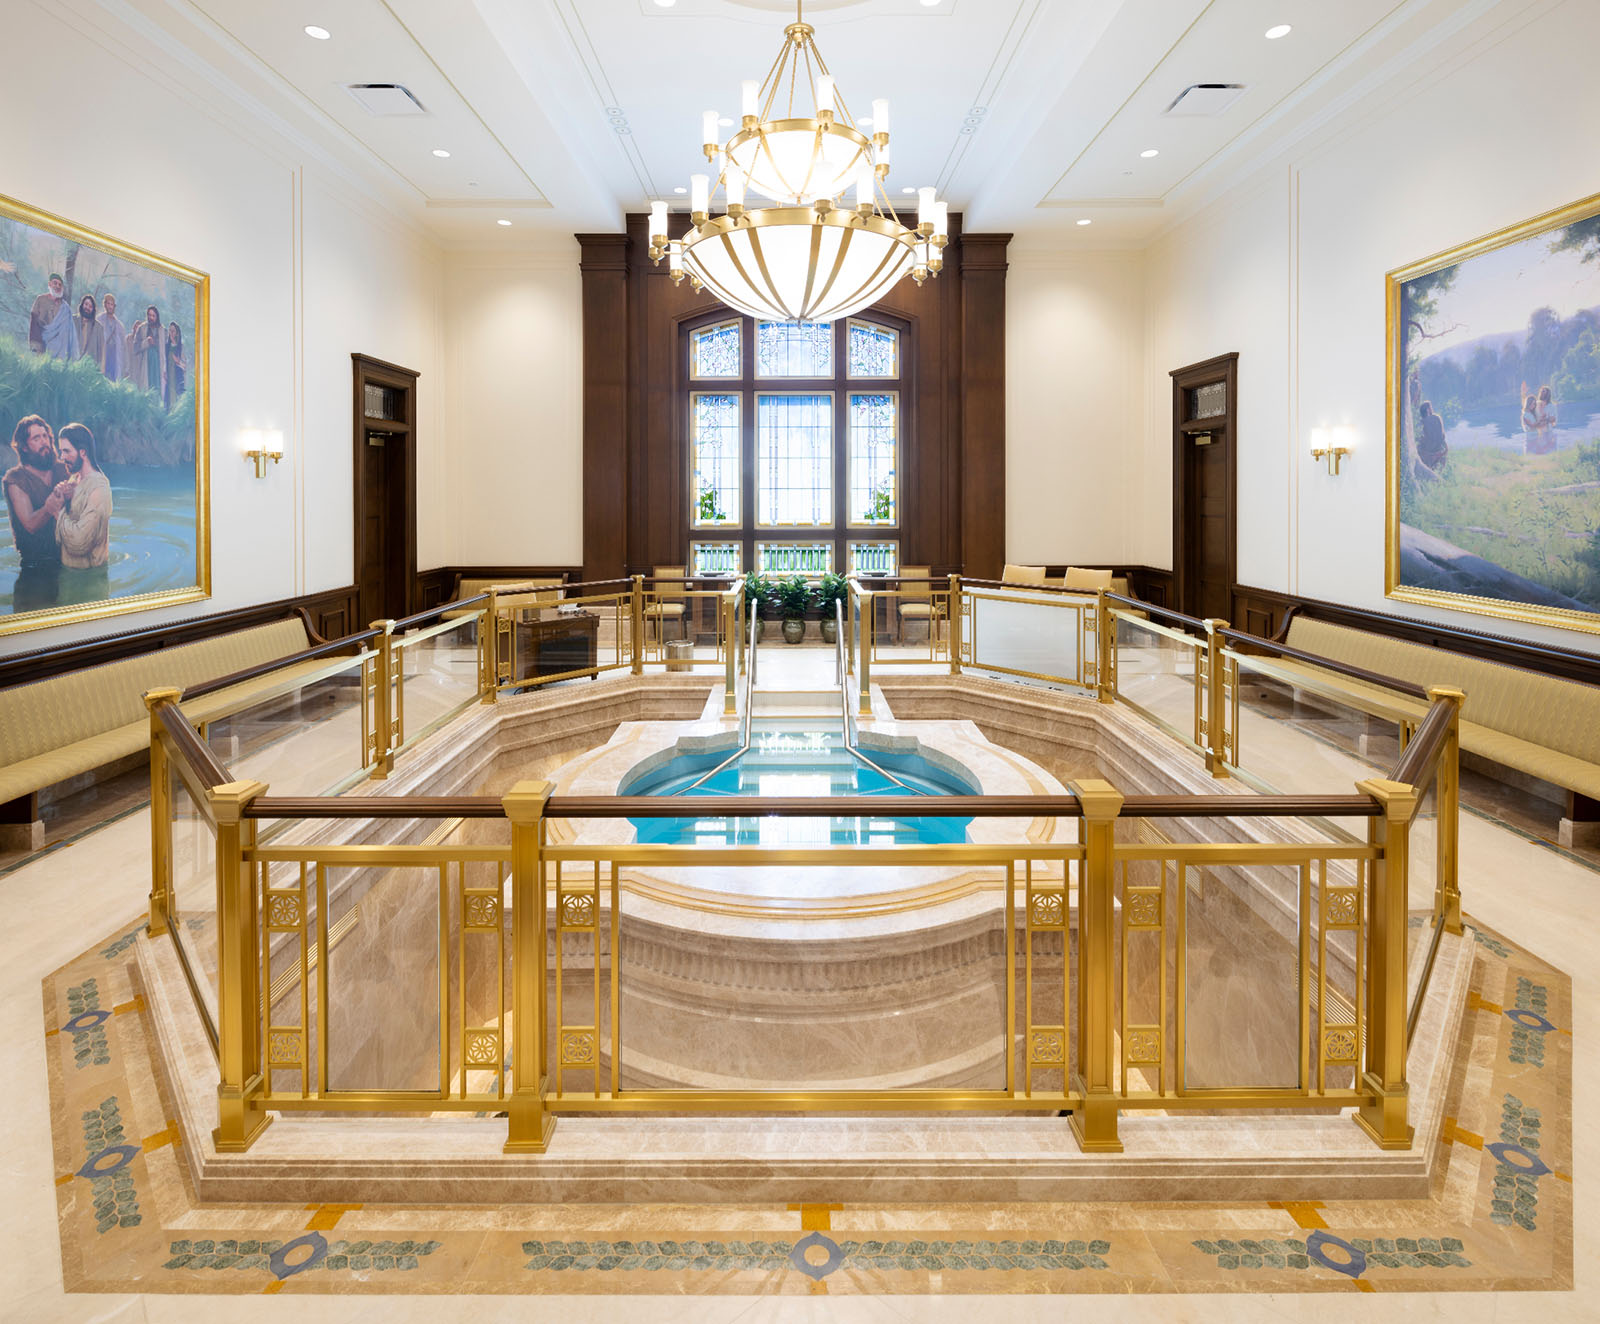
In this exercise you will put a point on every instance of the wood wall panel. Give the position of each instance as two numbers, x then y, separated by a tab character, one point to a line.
1267	612
604	268
983	405
641	520
332	614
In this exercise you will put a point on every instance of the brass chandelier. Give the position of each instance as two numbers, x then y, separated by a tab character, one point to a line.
807	257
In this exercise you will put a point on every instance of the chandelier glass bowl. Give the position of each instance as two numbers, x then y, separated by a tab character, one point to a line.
811	256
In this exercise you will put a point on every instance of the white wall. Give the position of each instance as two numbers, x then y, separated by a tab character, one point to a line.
303	269
1289	271
1075	410
514	331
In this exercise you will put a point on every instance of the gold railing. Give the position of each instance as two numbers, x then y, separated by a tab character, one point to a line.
1098	936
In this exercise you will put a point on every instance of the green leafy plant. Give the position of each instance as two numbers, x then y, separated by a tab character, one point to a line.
711	511
758	591
794	597
831	588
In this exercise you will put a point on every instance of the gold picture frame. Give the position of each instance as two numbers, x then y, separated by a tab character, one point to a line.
1414	548
142	420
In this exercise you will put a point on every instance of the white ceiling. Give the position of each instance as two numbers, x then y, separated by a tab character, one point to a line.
1029	115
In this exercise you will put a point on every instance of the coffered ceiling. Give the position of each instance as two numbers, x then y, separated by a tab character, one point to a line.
1029	115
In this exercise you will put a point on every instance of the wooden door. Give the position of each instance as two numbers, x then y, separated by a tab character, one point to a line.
1204	528
385	485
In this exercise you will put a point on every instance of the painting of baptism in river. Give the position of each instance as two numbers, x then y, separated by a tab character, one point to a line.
102	355
1495	426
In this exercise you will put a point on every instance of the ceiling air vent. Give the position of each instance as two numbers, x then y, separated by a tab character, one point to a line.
1205	99
386	99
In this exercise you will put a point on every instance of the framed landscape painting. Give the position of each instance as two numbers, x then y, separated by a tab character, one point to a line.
104	360
1494	424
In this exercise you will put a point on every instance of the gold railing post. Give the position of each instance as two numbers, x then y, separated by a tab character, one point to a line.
850	627
864	671
730	683
637	625
241	1114
955	625
1095	1123
1447	825
383	701
1105	642
489	650
529	1125
1385	1068
740	623
163	904
1216	741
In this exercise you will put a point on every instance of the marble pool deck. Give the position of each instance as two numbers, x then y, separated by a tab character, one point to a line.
61	901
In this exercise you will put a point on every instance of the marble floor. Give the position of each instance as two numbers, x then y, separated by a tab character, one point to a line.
62	901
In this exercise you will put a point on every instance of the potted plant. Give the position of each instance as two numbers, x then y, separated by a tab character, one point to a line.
794	597
831	588
757	594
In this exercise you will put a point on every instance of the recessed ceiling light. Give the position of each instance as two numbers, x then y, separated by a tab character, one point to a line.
929	4
908	189
321	34
1149	152
1282	30
503	221
1084	220
725	121
680	189
440	152
665	4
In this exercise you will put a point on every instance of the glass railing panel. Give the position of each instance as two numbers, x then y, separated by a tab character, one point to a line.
1299	734
1034	637
414	951
1421	886
1156	670
194	890
1239	984
438	673
302	737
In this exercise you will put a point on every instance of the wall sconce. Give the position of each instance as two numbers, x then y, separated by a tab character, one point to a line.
1331	445
261	445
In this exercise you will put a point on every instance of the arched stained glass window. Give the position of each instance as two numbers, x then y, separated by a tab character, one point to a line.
795	445
714	350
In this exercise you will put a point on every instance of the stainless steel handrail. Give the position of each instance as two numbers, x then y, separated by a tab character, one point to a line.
749	704
844	704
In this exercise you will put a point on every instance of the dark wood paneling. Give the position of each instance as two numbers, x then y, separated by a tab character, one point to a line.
983	404
1204	502
604	269
636	417
384	484
1262	607
332	608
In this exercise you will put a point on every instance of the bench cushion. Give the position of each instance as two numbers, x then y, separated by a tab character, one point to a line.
57	728
1561	715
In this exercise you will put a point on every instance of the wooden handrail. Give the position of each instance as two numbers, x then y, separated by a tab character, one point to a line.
1150	609
461	604
206	687
190	748
755	806
1407	687
1422	750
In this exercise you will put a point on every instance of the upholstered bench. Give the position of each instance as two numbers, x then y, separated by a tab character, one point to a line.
544	592
55	729
1542	726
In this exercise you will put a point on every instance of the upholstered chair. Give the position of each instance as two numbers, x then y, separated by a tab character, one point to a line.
915	602
671	602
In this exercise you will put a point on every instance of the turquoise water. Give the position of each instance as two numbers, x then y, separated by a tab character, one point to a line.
785	762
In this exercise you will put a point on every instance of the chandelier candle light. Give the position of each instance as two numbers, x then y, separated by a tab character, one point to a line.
809	257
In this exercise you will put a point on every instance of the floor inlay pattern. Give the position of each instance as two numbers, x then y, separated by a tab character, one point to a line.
1499	1216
